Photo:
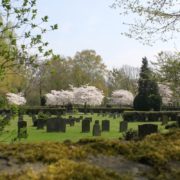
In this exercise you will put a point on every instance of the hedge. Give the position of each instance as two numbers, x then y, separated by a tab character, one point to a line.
149	115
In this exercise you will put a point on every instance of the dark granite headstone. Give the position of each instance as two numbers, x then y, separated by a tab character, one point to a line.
164	119
34	120
41	123
105	125
61	124
146	129
123	126
56	125
22	129
96	129
178	120
85	125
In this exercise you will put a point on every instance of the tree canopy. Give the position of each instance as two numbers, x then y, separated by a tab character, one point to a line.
153	20
21	34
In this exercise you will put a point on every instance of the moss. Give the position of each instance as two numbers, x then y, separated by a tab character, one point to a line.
156	150
65	170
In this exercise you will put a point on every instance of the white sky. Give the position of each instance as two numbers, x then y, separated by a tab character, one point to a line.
92	24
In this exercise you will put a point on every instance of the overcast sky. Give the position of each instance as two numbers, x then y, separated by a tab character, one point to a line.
92	24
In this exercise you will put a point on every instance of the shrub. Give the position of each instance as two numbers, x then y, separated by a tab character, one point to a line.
130	135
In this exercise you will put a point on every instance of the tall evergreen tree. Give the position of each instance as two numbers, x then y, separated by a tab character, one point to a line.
148	97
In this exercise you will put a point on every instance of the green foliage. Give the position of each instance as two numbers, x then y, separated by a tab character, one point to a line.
43	116
130	135
20	18
166	68
148	97
3	102
14	109
123	78
3	123
153	20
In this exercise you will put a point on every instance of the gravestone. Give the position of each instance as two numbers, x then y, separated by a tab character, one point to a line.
22	129
164	119
20	117
70	121
85	125
105	125
123	126
61	123
34	120
56	125
178	120
77	119
110	115
88	118
96	129
146	129
114	115
40	123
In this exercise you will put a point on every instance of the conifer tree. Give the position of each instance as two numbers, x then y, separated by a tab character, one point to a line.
148	97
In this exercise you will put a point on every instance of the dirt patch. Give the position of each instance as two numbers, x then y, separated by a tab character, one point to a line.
121	165
12	166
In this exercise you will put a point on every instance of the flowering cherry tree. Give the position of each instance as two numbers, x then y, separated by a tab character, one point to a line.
166	94
89	95
122	97
16	99
59	97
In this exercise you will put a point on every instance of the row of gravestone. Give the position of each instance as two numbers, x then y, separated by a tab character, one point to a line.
59	125
40	123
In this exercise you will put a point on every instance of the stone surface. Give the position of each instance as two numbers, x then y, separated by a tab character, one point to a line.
105	125
146	129
96	129
56	125
123	126
85	125
22	129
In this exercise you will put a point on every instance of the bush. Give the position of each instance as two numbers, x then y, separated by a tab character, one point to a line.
42	115
143	116
130	135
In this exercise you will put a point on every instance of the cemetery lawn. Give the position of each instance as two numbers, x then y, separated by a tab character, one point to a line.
72	133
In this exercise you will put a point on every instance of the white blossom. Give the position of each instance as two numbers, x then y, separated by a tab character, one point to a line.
87	94
16	99
166	93
59	97
122	97
77	95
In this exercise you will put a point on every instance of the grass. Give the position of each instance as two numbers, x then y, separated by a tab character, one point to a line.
72	133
